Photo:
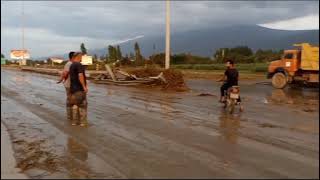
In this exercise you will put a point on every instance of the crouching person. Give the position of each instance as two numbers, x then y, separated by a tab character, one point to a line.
78	90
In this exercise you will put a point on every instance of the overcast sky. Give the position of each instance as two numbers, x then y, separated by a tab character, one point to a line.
56	27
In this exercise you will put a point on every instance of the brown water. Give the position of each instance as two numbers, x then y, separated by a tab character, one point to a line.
149	133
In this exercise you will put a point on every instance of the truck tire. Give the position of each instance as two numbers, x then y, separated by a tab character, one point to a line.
279	80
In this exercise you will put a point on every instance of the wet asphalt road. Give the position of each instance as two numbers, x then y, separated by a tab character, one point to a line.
148	133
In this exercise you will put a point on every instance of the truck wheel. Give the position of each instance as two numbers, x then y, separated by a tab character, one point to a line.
279	80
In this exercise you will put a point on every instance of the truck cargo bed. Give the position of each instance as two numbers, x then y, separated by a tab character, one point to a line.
309	57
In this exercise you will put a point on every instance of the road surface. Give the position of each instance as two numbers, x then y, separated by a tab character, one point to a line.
149	133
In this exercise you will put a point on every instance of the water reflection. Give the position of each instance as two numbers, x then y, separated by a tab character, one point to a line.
77	150
229	126
147	104
166	108
110	92
292	96
19	79
279	96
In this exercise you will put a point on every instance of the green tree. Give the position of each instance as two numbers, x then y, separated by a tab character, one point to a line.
220	55
95	58
119	54
103	57
242	50
240	54
112	51
267	55
138	56
158	59
2	55
8	62
83	48
131	56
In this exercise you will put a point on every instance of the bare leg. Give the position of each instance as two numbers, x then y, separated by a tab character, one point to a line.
83	112
75	114
83	116
69	113
68	105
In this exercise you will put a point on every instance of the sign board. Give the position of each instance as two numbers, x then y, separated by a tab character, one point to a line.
19	54
86	60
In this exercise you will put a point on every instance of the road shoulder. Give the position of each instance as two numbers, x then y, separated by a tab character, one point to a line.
8	162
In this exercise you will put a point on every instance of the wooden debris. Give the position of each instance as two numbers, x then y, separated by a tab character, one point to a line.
133	80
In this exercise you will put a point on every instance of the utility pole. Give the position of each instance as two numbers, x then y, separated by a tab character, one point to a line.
22	16
167	60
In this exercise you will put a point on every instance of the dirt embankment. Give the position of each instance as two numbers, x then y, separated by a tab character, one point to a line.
174	79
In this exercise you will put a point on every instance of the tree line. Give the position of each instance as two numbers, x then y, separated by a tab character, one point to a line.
240	54
243	54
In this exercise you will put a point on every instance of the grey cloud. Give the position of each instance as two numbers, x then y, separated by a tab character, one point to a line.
83	19
120	19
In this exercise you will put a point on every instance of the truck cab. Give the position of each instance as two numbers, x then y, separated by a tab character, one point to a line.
295	65
289	63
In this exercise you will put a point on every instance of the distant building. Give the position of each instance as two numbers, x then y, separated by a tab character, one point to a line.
56	60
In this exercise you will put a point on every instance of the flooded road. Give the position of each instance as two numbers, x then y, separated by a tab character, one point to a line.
149	133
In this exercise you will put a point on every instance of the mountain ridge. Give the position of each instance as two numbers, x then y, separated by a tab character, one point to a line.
204	42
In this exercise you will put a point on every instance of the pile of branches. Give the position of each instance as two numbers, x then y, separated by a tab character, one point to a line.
173	79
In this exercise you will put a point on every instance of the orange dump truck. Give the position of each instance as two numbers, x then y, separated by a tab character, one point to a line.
297	65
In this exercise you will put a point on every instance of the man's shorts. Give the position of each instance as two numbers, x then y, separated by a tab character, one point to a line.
79	98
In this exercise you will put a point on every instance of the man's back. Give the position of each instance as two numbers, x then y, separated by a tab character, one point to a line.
75	69
232	76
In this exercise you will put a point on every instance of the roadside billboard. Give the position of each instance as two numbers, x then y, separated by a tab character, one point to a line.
19	54
86	60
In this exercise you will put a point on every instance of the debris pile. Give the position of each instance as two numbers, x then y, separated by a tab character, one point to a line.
174	80
169	79
145	72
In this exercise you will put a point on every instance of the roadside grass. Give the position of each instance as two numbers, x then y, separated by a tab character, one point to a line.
254	67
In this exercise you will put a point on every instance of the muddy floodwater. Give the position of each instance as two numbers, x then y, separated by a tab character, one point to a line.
148	133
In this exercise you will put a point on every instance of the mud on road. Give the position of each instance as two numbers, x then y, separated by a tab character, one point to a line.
149	133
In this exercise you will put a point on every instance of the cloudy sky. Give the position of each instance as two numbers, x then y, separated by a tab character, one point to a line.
56	27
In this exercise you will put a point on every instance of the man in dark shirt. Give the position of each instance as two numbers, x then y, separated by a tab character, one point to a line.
65	78
78	90
230	77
